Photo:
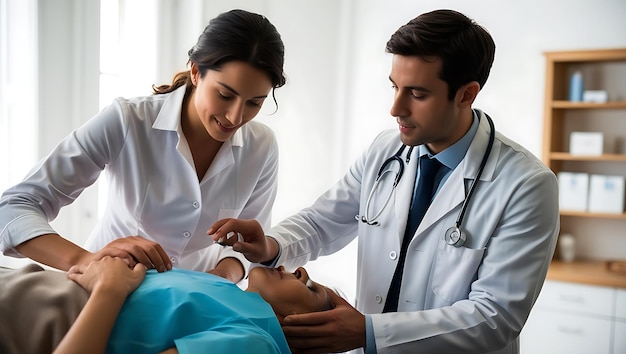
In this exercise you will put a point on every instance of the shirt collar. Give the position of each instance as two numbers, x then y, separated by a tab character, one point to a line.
453	155
170	113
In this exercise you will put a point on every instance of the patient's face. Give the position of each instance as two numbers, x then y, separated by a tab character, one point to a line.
289	293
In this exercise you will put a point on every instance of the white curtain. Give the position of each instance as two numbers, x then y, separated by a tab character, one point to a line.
18	94
128	39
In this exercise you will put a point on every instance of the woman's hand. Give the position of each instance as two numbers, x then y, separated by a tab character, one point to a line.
140	250
246	237
110	275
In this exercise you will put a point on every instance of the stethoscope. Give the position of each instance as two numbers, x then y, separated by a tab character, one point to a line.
454	236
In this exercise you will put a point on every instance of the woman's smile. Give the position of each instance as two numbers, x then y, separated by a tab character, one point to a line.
224	128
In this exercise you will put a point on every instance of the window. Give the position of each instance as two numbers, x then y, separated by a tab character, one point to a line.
127	52
18	83
127	48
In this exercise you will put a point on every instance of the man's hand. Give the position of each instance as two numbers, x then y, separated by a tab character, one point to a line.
138	250
246	237
338	330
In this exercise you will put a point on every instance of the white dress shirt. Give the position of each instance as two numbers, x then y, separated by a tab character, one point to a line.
154	190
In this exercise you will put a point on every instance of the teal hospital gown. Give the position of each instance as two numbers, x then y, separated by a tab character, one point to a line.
197	313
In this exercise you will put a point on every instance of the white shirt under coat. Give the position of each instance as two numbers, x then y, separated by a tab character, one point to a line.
154	190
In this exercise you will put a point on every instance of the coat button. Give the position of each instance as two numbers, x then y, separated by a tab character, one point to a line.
393	255
187	234
173	259
379	299
196	205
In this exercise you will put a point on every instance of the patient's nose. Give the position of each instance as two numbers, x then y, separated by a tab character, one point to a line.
304	275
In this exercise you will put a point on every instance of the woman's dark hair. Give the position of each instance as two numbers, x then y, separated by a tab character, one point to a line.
465	48
236	35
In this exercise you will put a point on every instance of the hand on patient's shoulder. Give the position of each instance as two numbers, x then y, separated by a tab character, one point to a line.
110	275
137	249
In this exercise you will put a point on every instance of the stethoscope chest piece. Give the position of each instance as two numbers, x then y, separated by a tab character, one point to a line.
455	237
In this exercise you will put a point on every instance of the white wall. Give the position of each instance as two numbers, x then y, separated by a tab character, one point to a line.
338	95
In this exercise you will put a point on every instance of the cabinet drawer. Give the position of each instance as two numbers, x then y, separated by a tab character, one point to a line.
620	304
554	332
619	337
576	298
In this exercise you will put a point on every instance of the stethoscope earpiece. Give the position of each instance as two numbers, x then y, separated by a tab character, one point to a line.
455	237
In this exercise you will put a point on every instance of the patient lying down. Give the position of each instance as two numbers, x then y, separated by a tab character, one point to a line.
175	311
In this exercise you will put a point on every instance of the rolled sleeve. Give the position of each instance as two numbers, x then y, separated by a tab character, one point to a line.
15	232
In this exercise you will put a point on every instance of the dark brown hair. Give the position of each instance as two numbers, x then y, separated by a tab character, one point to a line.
465	48
236	35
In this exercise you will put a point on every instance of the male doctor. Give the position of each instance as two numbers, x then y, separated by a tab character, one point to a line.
454	295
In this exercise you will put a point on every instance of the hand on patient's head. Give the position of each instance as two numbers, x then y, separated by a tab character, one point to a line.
289	293
109	274
245	236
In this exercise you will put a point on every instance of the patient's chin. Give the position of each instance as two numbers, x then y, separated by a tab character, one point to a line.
258	272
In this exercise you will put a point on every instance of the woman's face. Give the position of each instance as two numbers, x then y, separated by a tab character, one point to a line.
225	100
288	293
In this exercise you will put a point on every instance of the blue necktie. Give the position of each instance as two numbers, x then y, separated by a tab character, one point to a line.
421	200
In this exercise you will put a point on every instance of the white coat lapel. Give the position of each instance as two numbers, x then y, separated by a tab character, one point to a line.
450	195
453	192
477	150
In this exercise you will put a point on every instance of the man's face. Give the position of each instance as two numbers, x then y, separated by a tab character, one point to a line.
288	293
421	106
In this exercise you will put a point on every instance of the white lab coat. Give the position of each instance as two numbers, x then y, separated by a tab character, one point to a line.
154	190
470	299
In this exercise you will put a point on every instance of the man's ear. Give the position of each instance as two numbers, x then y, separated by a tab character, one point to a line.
467	93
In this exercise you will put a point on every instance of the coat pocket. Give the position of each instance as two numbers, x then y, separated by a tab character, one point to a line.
455	270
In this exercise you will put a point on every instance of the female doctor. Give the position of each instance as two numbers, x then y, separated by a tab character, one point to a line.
176	162
459	293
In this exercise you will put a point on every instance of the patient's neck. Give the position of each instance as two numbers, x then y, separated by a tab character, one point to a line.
278	316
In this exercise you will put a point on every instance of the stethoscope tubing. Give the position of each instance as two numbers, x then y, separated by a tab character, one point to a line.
483	163
398	157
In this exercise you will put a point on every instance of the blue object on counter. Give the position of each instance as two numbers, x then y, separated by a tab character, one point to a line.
576	87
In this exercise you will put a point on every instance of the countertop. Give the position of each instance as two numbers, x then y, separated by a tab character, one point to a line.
586	272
